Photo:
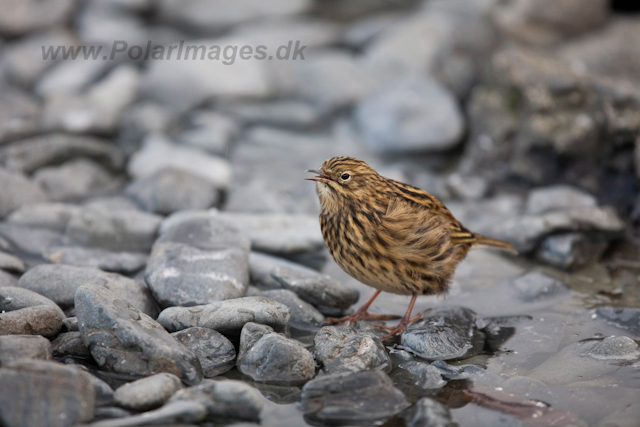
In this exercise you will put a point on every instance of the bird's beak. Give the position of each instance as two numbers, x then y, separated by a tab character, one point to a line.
322	177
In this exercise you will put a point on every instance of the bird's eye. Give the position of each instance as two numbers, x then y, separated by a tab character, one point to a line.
345	176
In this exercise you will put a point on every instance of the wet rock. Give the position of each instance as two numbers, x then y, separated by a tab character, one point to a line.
54	216
170	190
30	154
226	399
113	230
304	316
170	414
558	197
210	131
36	392
116	262
14	347
227	317
18	191
70	344
138	346
266	356
147	393
12	263
60	282
74	180
444	334
23	312
26	16
351	397
413	376
403	117
19	115
624	318
29	240
536	286
571	250
343	349
215	352
428	412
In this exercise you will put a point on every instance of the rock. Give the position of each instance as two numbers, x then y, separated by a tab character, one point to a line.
444	334
410	116
282	113
361	32
170	190
70	344
304	316
112	203
71	324
17	191
210	131
352	397
26	16
202	232
157	154
266	356
170	414
428	412
15	347
227	317
60	283
30	154
11	263
216	353
23	312
73	76
99	23
104	392
147	393
415	376
571	250
19	115
74	180
30	241
38	393
7	279
558	197
343	349
113	230
54	216
536	286
226	399
116	262
138	346
624	318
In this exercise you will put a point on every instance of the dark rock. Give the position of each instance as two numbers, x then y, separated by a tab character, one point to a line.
26	16
71	324
60	282
54	216
536	286
571	250
216	353
38	393
19	114
428	412
343	349
138	345
624	318
448	333
11	263
352	397
18	191
304	317
414	376
23	312
227	317
70	344
14	347
269	357
116	262
170	190
147	393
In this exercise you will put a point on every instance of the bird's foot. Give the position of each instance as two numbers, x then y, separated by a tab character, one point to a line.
353	318
402	326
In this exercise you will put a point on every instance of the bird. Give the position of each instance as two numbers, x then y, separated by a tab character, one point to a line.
389	235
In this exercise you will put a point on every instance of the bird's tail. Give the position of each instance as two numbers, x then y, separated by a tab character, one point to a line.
499	244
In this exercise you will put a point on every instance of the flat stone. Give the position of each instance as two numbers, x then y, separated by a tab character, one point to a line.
27	16
18	191
624	318
352	397
202	232
147	393
54	216
11	263
23	312
413	376
172	413
29	240
428	412
70	344
138	345
266	356
558	197
38	393
216	353
536	286
343	349
14	347
116	262
227	317
304	316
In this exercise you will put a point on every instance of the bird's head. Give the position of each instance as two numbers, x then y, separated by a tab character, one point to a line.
342	177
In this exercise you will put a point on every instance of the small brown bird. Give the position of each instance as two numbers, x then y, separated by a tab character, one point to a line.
389	235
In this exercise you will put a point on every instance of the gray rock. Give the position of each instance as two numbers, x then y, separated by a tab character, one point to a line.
536	286
414	376
343	349
104	392
11	263
266	356
17	191
113	230
226	399
110	413
304	316
112	203
74	180
100	23
410	116
428	412
54	216
170	190
611	348
14	347
69	344
227	317
363	31
210	131
116	262
448	333
558	197
23	312
7	279
29	240
282	113
19	115
624	318
147	393
30	154
60	283
138	346
571	250
215	352
38	393
172	413
202	232
352	397
27	16
71	324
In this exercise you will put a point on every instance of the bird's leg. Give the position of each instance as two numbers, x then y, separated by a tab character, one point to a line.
404	322
361	313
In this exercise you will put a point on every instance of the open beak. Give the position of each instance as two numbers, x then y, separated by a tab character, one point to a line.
322	177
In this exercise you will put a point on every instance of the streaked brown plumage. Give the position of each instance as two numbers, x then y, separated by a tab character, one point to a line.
389	235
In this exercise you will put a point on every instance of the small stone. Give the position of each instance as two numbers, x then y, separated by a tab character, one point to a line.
116	262
304	316
17	191
172	413
202	232
70	344
571	250
428	412
71	324
112	203
30	241
343	349
352	397
14	347
7	279
612	348
210	131
216	353
23	312
124	340
53	216
269	357
11	263
624	318
558	197
147	393
282	113
536	286
104	392
23	17
413	375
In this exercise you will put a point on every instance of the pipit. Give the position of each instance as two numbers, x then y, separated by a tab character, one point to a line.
389	235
